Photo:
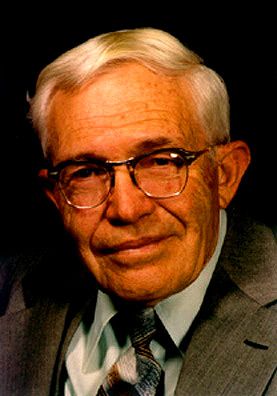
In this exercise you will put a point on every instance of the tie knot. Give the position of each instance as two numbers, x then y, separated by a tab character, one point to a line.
142	327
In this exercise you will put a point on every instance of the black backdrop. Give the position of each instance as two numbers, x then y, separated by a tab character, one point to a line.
239	44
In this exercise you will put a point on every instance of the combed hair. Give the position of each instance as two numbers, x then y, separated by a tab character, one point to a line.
157	50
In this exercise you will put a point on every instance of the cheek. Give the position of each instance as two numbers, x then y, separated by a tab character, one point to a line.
80	224
199	200
204	209
203	198
197	209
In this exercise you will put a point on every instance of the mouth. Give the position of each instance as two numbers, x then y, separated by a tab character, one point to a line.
141	248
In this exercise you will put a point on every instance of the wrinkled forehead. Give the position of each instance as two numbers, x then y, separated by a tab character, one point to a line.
129	97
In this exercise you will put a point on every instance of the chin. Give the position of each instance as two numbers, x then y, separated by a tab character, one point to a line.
136	292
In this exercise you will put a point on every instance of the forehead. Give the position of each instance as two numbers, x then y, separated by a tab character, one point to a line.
127	105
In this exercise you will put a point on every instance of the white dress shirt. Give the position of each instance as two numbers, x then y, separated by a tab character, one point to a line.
93	351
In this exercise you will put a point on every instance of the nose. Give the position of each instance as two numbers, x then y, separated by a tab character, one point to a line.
127	203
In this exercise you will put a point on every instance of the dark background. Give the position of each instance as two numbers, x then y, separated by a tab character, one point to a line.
240	44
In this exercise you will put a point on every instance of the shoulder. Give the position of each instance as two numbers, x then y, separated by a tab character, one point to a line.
13	269
249	256
45	274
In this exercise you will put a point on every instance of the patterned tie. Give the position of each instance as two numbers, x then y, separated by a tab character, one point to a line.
136	374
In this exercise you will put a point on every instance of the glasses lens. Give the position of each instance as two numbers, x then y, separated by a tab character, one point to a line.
85	185
162	174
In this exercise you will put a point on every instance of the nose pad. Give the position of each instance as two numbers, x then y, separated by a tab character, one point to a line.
127	168
126	201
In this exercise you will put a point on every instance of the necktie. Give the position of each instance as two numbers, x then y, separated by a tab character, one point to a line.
136	374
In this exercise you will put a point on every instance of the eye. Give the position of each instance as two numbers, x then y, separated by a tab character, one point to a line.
162	160
85	172
82	173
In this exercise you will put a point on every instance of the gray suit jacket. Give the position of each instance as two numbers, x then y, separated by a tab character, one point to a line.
230	348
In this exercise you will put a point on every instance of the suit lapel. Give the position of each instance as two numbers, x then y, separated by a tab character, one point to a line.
227	347
76	313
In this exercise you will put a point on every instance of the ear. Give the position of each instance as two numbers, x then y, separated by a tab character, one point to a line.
233	160
48	186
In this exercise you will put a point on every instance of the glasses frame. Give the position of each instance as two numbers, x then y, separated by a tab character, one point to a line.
188	156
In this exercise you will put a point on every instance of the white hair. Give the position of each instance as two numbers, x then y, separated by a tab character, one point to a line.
157	50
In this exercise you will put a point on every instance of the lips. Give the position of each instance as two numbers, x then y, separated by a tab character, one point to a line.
135	244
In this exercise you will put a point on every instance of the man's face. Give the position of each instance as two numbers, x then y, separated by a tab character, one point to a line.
139	248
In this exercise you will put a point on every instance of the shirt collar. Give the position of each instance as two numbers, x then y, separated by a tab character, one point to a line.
104	312
178	311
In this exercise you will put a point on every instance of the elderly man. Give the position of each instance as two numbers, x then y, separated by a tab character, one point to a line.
159	294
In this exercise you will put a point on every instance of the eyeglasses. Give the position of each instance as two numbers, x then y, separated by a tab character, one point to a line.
159	174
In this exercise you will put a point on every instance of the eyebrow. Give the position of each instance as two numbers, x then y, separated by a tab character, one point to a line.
152	144
144	146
